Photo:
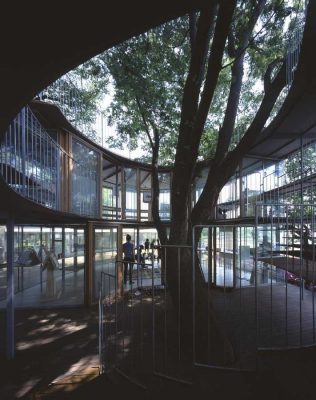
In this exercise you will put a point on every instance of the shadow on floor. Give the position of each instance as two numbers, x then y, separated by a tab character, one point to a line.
57	358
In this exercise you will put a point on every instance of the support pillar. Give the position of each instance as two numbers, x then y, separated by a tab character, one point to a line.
10	290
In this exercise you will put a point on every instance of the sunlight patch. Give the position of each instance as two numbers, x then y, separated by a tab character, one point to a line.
32	317
80	366
58	333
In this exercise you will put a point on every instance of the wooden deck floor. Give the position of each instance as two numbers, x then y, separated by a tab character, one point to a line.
271	316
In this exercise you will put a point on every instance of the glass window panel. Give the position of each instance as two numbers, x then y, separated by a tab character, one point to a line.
85	180
111	191
164	196
43	276
130	193
145	195
104	260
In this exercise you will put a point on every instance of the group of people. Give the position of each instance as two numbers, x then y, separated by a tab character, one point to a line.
154	244
130	257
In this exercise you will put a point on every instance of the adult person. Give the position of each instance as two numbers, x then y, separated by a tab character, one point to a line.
159	250
128	250
147	246
139	256
152	248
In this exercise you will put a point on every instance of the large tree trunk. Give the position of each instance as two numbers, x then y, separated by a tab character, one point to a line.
195	109
197	318
193	117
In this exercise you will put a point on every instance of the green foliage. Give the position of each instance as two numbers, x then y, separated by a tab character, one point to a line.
268	43
295	169
148	74
293	165
208	144
108	199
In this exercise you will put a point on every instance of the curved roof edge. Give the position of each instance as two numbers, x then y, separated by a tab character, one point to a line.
296	117
52	117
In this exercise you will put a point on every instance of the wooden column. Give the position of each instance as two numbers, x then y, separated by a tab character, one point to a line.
123	194
241	193
138	203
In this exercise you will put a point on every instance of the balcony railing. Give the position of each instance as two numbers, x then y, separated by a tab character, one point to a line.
32	163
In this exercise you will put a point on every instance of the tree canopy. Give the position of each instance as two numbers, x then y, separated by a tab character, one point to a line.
201	87
149	73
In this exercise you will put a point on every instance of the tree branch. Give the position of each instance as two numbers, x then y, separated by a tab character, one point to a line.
192	25
145	123
261	117
251	40
155	189
196	70
215	182
231	50
267	79
194	114
226	131
225	15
